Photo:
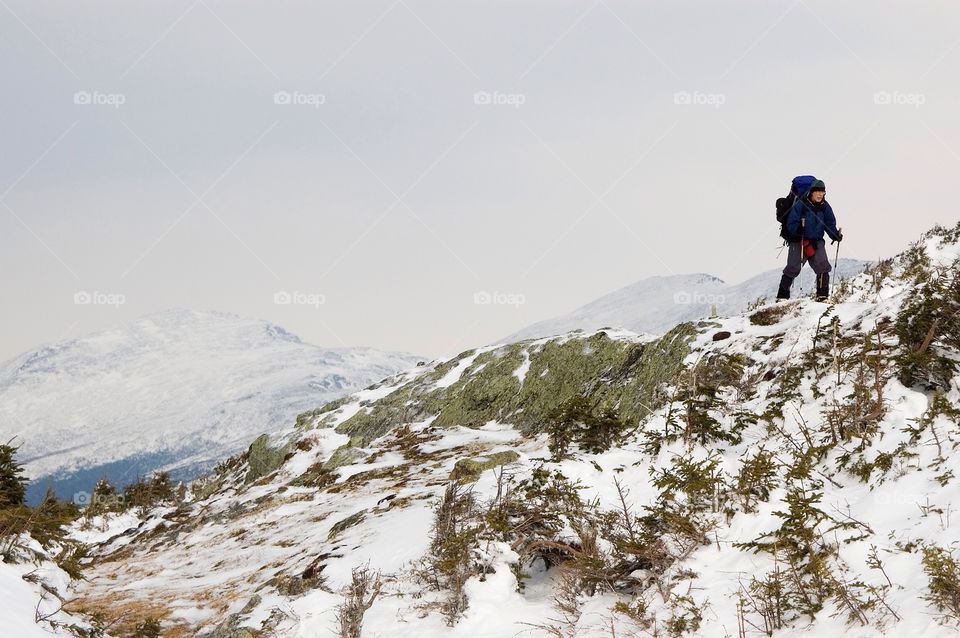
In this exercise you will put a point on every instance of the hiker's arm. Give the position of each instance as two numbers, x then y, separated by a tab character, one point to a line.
793	219
830	223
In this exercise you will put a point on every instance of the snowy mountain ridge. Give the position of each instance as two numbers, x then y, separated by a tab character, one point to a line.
785	471
178	390
656	304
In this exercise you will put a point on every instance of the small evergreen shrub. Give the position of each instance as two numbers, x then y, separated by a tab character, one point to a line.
943	571
578	421
928	327
13	485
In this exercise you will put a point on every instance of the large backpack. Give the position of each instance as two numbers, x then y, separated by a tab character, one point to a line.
798	188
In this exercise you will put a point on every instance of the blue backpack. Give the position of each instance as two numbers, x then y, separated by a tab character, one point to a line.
798	188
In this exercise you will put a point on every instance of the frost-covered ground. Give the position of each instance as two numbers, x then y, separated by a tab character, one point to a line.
32	592
276	553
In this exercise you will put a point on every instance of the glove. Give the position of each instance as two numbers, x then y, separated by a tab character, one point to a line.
839	235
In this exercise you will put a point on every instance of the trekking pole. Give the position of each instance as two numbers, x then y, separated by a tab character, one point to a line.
836	260
803	256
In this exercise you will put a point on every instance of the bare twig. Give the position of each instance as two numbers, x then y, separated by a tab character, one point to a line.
879	408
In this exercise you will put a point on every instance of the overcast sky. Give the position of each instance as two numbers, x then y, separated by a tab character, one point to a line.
392	159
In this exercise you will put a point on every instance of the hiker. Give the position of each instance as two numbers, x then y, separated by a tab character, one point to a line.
808	219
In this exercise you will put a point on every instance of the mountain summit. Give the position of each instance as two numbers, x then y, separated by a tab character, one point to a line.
179	390
656	304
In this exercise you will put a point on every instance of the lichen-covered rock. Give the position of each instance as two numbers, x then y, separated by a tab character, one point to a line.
263	459
252	604
343	455
469	470
617	374
348	522
229	628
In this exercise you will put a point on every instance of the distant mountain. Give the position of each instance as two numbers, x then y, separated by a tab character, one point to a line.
656	304
178	390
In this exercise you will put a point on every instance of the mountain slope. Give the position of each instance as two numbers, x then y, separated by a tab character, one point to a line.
657	304
787	471
178	389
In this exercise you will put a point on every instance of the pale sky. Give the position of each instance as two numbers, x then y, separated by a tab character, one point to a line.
391	159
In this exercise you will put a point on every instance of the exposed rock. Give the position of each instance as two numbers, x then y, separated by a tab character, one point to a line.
263	459
349	521
616	374
720	336
252	604
343	455
229	628
469	470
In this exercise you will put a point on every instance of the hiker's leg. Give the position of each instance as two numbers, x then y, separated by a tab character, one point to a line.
794	263
821	265
820	262
823	286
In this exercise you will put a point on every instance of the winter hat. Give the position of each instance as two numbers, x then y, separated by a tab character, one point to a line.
818	185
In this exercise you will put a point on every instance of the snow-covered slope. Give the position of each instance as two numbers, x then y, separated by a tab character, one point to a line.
789	471
178	389
32	593
656	304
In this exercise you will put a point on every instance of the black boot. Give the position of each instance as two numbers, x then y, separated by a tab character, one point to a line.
785	283
823	287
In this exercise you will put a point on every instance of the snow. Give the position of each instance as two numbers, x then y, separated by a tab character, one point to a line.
454	374
103	527
22	600
190	388
521	372
245	538
17	617
656	304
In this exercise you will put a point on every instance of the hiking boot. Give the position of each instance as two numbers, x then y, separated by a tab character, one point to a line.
823	299
823	285
784	291
779	299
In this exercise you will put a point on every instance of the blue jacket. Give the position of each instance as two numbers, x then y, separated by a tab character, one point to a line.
819	220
